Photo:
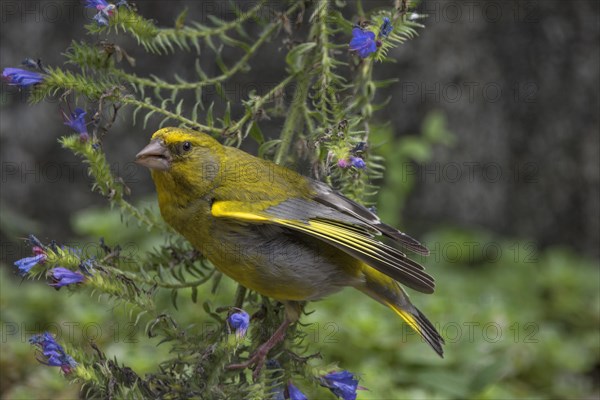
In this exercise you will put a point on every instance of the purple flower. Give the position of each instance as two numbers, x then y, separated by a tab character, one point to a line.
239	321
63	277
343	384
363	42
25	264
386	28
77	122
295	393
21	77
343	163
358	162
53	353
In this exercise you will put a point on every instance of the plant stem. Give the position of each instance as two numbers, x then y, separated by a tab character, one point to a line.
240	294
200	33
261	101
166	285
294	121
132	78
176	117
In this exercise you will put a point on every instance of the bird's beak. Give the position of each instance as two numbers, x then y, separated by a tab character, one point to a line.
155	156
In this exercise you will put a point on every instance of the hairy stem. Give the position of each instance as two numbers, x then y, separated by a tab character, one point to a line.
294	121
172	115
132	78
167	285
201	33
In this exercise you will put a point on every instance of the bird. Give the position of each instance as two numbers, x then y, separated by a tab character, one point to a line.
279	233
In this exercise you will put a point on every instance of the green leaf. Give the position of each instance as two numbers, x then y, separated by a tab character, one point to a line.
209	115
416	149
434	128
486	376
180	21
227	115
267	146
256	133
195	294
174	294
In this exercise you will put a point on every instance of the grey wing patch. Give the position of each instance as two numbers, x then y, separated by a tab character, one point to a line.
305	210
380	256
327	196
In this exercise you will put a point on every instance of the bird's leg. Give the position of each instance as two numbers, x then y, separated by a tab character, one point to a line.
259	356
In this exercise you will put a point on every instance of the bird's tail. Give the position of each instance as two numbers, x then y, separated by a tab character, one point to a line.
387	291
419	322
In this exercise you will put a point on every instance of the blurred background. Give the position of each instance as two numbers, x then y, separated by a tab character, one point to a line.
492	145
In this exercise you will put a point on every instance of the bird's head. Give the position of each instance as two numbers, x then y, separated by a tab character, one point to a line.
182	160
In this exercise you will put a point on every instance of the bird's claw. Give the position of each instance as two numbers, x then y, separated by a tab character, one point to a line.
257	359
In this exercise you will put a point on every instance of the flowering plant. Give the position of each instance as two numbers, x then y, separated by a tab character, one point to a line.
329	68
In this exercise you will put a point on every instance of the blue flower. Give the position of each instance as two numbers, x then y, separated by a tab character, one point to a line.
87	266
343	384
239	321
63	277
31	63
360	147
358	162
25	264
34	241
295	393
101	19
77	122
105	10
53	353
386	28
21	77
277	392
363	42
97	4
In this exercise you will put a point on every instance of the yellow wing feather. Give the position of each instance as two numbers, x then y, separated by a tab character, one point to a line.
349	238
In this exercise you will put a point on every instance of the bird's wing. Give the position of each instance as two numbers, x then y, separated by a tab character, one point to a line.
325	195
350	234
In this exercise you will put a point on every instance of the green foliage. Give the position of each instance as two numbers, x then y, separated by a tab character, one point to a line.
111	187
546	349
60	81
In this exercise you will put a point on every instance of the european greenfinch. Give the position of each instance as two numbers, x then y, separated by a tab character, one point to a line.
279	233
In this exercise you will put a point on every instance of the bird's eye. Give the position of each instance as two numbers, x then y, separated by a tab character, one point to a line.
186	146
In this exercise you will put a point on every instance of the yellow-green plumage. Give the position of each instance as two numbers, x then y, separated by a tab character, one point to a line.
279	233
